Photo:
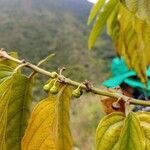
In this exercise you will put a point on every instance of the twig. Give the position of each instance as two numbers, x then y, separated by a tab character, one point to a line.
4	54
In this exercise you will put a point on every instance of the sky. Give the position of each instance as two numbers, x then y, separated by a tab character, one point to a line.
92	1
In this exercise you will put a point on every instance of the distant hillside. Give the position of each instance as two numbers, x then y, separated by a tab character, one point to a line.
79	8
36	28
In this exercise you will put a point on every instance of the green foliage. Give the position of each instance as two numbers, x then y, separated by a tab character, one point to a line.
126	29
139	7
132	136
101	19
49	124
5	72
15	101
118	132
54	27
107	128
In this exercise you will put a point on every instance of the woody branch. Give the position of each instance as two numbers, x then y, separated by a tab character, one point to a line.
85	86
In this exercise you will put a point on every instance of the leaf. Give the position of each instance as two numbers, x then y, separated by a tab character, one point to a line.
95	9
14	110
49	124
129	28
5	72
10	63
117	132
133	42
140	7
108	131
4	96
112	24
132	135
145	123
101	21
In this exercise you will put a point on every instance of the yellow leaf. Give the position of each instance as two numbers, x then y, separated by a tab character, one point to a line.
108	131
117	132
4	96
8	62
5	72
130	29
145	123
132	135
49	124
95	9
14	111
139	7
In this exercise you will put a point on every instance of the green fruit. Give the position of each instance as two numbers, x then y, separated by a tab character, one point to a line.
77	93
46	87
54	90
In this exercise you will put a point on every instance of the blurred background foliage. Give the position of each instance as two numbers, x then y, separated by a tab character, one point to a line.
37	28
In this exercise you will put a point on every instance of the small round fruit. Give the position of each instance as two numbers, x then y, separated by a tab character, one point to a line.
54	90
46	87
77	93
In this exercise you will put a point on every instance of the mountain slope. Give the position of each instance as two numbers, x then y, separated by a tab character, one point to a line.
36	28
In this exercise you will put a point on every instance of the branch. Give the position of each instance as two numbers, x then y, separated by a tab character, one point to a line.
4	54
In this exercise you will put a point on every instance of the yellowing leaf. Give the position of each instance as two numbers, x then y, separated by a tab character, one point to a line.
95	9
14	111
39	133
5	72
108	131
140	7
145	123
49	125
4	96
132	135
129	27
8	62
117	132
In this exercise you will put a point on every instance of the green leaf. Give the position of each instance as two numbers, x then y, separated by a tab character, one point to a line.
145	124
129	27
4	96
49	126
108	131
117	132
5	72
132	135
113	24
15	100
95	9
10	63
101	21
139	7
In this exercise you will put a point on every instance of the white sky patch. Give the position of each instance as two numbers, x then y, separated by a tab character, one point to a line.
92	1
